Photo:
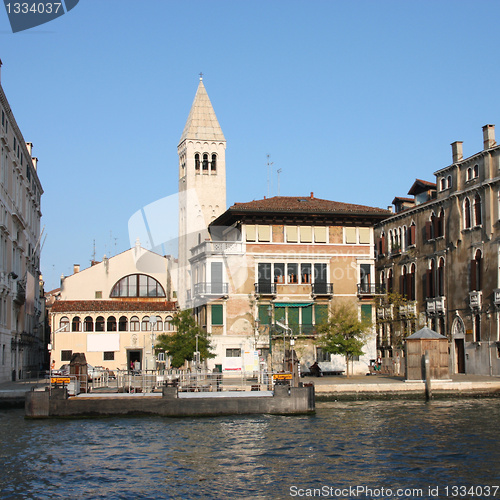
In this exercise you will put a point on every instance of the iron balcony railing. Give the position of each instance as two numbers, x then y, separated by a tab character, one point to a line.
209	288
265	288
371	289
322	288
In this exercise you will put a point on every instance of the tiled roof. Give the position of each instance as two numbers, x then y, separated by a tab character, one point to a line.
420	185
83	306
304	204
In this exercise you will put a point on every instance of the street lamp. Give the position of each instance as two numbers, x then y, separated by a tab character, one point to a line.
152	325
270	315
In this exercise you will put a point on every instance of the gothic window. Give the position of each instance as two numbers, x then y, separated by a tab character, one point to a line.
467	217
431	280
477	210
412	294
197	162
469	174
389	281
448	182
205	162
440	278
137	285
476	272
213	165
476	171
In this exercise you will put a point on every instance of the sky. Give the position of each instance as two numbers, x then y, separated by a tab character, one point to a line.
352	99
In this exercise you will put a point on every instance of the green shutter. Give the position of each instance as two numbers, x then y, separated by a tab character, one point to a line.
293	316
217	314
366	313
263	314
321	313
307	315
279	314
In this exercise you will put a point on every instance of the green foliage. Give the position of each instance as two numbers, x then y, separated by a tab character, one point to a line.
181	345
344	333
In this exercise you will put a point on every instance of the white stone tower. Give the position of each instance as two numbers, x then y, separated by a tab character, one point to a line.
202	180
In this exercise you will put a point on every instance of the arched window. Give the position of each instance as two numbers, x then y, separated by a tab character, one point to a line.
412	234
197	162
476	272
64	324
469	174
448	182
205	162
145	326
213	165
476	171
412	295
76	324
443	183
168	324
159	324
440	224
467	217
137	285
477	210
122	324
99	324
403	287
389	281
89	324
111	324
431	280
135	326
440	278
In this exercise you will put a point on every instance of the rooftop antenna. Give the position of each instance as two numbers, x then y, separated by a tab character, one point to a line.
279	172
93	255
269	165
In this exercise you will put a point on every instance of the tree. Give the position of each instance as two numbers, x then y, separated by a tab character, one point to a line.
344	333
181	345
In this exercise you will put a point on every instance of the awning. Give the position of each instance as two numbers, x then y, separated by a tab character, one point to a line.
293	304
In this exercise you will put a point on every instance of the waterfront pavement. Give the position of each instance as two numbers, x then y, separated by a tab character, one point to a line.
340	387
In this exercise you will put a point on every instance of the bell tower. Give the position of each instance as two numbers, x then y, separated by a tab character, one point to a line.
202	179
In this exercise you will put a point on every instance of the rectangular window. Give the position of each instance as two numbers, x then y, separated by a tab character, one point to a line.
306	234
264	233
98	294
322	355
291	234
66	355
280	314
293	318
305	273
279	273
350	235
264	313
233	353
292	273
108	356
307	315
320	313
364	235
217	314
366	313
250	232
320	234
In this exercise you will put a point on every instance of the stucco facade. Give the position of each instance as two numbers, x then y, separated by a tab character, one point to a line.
113	311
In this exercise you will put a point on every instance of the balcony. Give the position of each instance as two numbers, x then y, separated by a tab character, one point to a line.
408	309
265	288
370	289
496	296
208	288
20	293
218	248
436	305
322	289
475	299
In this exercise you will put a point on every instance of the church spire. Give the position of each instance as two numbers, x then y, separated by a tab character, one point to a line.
202	124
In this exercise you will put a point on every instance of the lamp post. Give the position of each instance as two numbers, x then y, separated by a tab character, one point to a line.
152	325
270	315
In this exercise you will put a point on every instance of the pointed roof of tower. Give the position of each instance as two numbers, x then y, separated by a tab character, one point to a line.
202	123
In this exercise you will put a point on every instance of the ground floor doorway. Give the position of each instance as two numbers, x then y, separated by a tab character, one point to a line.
134	359
459	356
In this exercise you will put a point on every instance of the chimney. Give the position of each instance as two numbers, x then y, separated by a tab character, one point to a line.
35	163
457	151
0	70
312	195
29	146
489	136
76	268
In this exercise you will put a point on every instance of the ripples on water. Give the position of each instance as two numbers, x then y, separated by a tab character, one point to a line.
376	444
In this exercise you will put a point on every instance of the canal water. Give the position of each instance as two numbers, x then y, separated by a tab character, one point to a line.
389	449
